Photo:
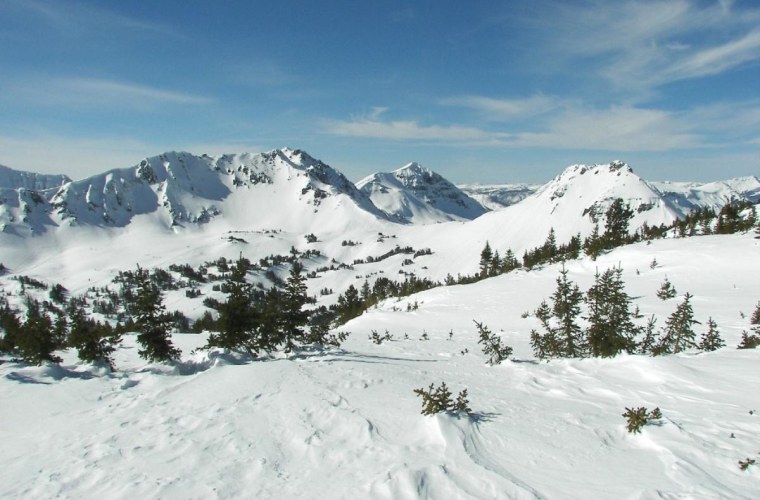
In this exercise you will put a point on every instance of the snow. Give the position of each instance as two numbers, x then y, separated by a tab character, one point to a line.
345	423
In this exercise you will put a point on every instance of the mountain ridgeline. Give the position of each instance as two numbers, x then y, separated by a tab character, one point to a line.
176	190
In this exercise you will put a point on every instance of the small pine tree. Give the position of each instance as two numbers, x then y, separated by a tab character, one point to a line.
95	342
438	400
10	326
152	322
295	317
649	342
711	340
37	341
567	300
639	417
237	319
492	346
755	318
486	258
749	341
679	331
545	345
611	329
667	290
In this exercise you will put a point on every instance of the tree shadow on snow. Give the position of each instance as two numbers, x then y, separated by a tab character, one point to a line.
54	372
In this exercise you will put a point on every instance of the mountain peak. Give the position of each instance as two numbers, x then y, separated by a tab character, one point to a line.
417	194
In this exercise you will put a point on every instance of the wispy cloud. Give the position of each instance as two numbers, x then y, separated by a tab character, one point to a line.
638	46
93	92
575	126
505	109
75	19
374	127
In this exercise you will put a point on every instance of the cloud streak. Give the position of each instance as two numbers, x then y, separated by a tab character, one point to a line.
94	92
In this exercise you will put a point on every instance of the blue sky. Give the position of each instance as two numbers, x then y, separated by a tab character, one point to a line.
490	92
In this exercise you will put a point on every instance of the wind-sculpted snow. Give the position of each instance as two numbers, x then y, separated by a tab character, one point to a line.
345	423
417	195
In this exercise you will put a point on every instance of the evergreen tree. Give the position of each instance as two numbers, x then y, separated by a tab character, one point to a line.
667	290
95	342
486	256
593	244
152	321
618	216
237	316
545	345
649	343
36	341
611	328
566	308
711	340
549	250
295	317
10	326
509	263
755	318
679	332
492	346
349	305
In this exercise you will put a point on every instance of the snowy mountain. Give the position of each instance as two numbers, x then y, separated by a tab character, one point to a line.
691	195
418	195
497	196
180	188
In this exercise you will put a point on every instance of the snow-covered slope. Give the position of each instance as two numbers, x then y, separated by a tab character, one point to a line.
691	195
569	204
418	195
346	423
24	198
497	196
179	188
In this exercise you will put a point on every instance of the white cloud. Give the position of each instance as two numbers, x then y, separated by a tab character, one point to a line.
410	131
638	46
93	92
505	109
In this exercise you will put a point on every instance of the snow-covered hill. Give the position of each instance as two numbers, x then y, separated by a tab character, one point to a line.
497	196
418	195
345	423
688	196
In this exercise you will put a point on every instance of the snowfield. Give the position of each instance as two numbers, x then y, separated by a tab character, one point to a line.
345	423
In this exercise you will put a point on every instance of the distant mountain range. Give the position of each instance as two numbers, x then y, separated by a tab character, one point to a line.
290	189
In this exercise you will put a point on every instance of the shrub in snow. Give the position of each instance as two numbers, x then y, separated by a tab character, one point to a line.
667	290
744	464
379	339
438	400
492	346
639	417
749	341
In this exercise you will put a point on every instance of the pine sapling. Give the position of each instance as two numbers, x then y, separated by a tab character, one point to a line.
438	400
639	417
492	346
667	290
711	340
